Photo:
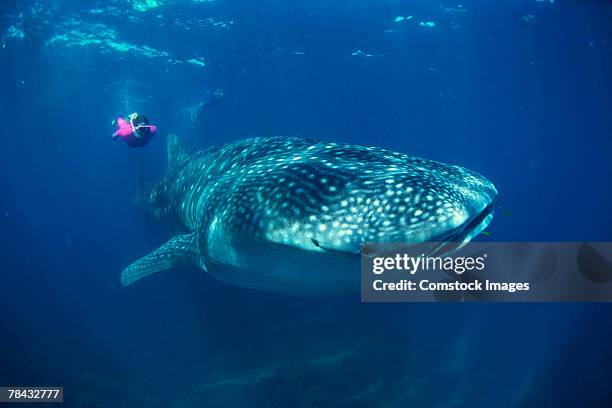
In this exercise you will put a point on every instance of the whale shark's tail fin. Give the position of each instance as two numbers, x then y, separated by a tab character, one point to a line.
176	150
179	251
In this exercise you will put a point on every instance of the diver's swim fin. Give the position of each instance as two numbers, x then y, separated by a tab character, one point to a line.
179	251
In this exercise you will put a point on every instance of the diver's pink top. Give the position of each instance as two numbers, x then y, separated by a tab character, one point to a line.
126	133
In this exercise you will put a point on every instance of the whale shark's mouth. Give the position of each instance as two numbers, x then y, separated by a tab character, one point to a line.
458	237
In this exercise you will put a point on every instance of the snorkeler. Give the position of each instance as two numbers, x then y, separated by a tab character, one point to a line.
136	132
212	99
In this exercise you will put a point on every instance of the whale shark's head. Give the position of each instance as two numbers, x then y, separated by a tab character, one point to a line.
324	196
368	195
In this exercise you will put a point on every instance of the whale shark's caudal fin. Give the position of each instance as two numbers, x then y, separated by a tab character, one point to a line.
176	151
179	251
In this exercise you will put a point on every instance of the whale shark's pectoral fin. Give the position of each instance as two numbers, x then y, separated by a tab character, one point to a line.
181	250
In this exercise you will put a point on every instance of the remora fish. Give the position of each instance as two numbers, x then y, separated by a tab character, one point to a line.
289	215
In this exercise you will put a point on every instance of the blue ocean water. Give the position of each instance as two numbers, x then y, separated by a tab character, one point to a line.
519	91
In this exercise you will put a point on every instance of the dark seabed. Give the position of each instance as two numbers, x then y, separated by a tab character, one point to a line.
519	91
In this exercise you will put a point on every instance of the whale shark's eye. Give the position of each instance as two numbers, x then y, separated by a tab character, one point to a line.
314	241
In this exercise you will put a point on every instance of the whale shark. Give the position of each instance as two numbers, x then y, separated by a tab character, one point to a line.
290	215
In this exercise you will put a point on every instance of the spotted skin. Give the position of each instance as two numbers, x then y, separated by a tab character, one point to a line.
279	214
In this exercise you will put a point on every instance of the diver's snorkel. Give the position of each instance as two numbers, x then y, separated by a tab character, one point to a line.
135	128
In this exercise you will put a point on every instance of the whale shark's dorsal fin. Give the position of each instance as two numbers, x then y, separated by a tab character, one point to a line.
181	250
176	150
